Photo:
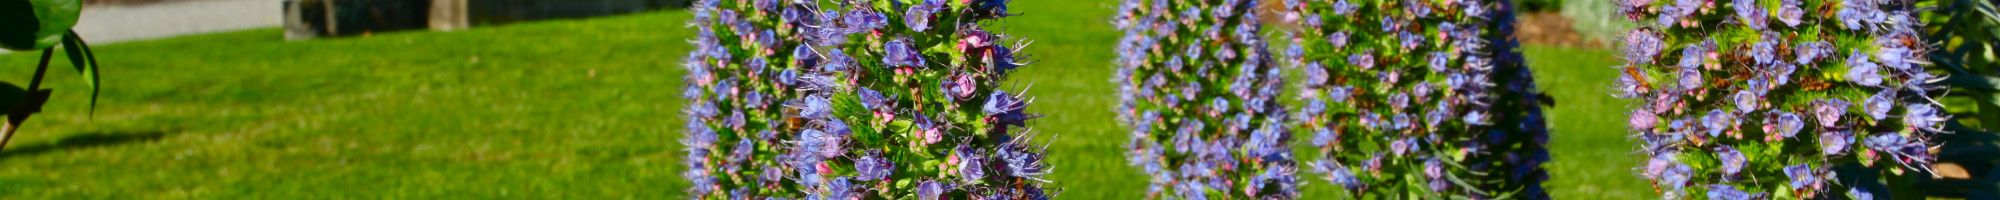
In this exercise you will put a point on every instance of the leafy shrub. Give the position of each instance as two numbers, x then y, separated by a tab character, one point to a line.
1199	93
862	99
1596	20
1416	98
1780	98
1543	5
28	25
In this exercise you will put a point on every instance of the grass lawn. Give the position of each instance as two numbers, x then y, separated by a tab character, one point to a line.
583	109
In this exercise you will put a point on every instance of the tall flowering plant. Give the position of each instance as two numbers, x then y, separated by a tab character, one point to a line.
1199	92
1418	98
1779	98
883	99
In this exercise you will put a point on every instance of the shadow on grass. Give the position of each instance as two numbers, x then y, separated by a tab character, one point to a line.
83	141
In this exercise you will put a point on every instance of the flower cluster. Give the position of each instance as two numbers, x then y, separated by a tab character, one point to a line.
1418	98
1750	99
893	99
1199	92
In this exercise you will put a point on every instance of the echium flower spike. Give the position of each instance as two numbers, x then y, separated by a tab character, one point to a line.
798	110
1444	93
1221	83
1864	102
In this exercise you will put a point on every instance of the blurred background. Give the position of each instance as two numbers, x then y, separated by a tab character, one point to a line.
573	98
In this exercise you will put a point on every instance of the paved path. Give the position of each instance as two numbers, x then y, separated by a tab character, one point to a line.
111	24
108	24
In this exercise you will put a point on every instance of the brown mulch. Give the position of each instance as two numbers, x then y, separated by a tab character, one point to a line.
1549	28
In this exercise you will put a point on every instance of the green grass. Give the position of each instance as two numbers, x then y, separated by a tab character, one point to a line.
585	109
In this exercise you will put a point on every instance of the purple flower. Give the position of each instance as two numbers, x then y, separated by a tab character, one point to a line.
1657	166
1924	117
1339	94
1691	57
1750	14
1732	160
931	190
919	16
1878	105
1021	163
1726	192
873	166
1410	40
1438	62
1337	39
1641	45
1803	177
1403	146
1417	8
1861	71
898	53
1746	101
1860	193
1810	52
820	143
1789	12
1362	60
1632	8
873	100
1893	54
1338	174
1828	112
1643	120
1784	125
1343	8
1717	122
840	188
1835	142
1860	14
863	20
1690	79
1765	52
1676	176
971	163
1003	110
1629	86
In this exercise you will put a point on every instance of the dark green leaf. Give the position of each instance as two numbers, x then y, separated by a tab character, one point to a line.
36	24
85	62
1975	82
10	96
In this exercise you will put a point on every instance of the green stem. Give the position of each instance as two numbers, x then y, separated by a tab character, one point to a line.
20	112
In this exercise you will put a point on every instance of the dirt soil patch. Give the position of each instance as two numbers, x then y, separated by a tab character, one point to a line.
1549	28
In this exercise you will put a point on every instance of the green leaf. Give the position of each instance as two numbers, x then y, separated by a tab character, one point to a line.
85	62
36	24
11	95
1975	82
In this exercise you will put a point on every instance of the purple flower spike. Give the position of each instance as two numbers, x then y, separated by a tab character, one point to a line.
1775	69
773	84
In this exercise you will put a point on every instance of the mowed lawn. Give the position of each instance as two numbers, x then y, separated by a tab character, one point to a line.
576	109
